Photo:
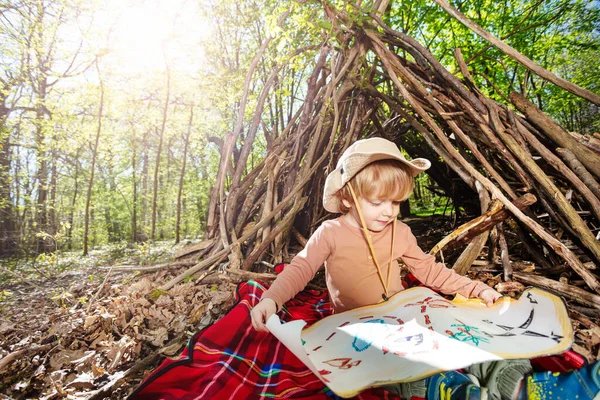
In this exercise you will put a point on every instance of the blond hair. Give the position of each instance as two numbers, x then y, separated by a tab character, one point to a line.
385	179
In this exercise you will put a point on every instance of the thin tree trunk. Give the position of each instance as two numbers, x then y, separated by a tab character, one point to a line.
144	193
93	166
182	175
42	173
159	150
73	201
134	234
7	218
52	221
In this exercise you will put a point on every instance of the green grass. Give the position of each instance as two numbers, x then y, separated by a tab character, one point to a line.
427	212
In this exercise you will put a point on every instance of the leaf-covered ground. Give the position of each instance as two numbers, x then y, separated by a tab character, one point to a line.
80	335
55	342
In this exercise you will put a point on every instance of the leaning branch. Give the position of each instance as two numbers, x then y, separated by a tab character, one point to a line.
520	58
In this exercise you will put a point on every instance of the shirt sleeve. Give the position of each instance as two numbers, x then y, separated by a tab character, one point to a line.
435	275
296	275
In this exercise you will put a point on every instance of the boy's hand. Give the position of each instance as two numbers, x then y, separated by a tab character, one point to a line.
261	313
489	296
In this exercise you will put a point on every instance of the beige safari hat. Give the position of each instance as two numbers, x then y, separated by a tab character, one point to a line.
356	157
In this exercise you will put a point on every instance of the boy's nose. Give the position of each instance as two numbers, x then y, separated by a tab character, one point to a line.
388	209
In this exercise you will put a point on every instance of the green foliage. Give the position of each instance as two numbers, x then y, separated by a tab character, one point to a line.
561	36
62	297
5	295
156	293
51	91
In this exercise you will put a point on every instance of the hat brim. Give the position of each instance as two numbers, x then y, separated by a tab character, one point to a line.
342	174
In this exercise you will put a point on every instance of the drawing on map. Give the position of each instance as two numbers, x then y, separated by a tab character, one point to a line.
418	333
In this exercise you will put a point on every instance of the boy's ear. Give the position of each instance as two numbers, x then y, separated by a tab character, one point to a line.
346	203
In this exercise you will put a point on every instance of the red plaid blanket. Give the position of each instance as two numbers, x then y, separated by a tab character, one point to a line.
230	360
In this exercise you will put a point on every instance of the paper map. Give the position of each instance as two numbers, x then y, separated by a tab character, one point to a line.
418	333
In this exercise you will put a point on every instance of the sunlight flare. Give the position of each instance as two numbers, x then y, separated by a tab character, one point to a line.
143	34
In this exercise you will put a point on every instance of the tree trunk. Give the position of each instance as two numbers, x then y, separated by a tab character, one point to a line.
42	173
159	150
93	166
143	236
8	245
182	175
52	220
134	234
73	201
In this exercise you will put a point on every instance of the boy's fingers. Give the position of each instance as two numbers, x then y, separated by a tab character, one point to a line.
258	320
254	318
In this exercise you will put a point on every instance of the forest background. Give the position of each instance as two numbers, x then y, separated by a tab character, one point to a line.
118	118
113	113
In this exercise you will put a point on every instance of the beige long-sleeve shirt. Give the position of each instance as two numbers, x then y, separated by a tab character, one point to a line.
351	274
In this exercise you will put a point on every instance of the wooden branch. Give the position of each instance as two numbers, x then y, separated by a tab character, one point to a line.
215	204
245	275
301	239
146	362
585	321
589	158
150	268
572	292
439	68
93	299
520	58
548	186
557	245
469	230
591	142
482	121
462	265
194	248
526	240
222	253
590	312
433	102
560	166
578	168
281	225
19	277
504	257
429	138
471	252
6	360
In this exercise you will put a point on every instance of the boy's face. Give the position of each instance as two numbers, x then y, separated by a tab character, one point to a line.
377	212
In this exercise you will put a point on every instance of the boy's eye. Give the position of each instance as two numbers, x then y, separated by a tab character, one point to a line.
375	203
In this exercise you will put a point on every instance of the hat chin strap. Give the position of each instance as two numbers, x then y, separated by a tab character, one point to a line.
385	284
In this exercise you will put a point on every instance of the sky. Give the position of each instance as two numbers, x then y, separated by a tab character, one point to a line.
139	34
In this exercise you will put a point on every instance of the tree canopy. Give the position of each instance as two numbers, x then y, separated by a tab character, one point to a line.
172	83
132	122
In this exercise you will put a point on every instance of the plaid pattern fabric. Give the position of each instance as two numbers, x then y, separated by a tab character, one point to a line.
230	360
